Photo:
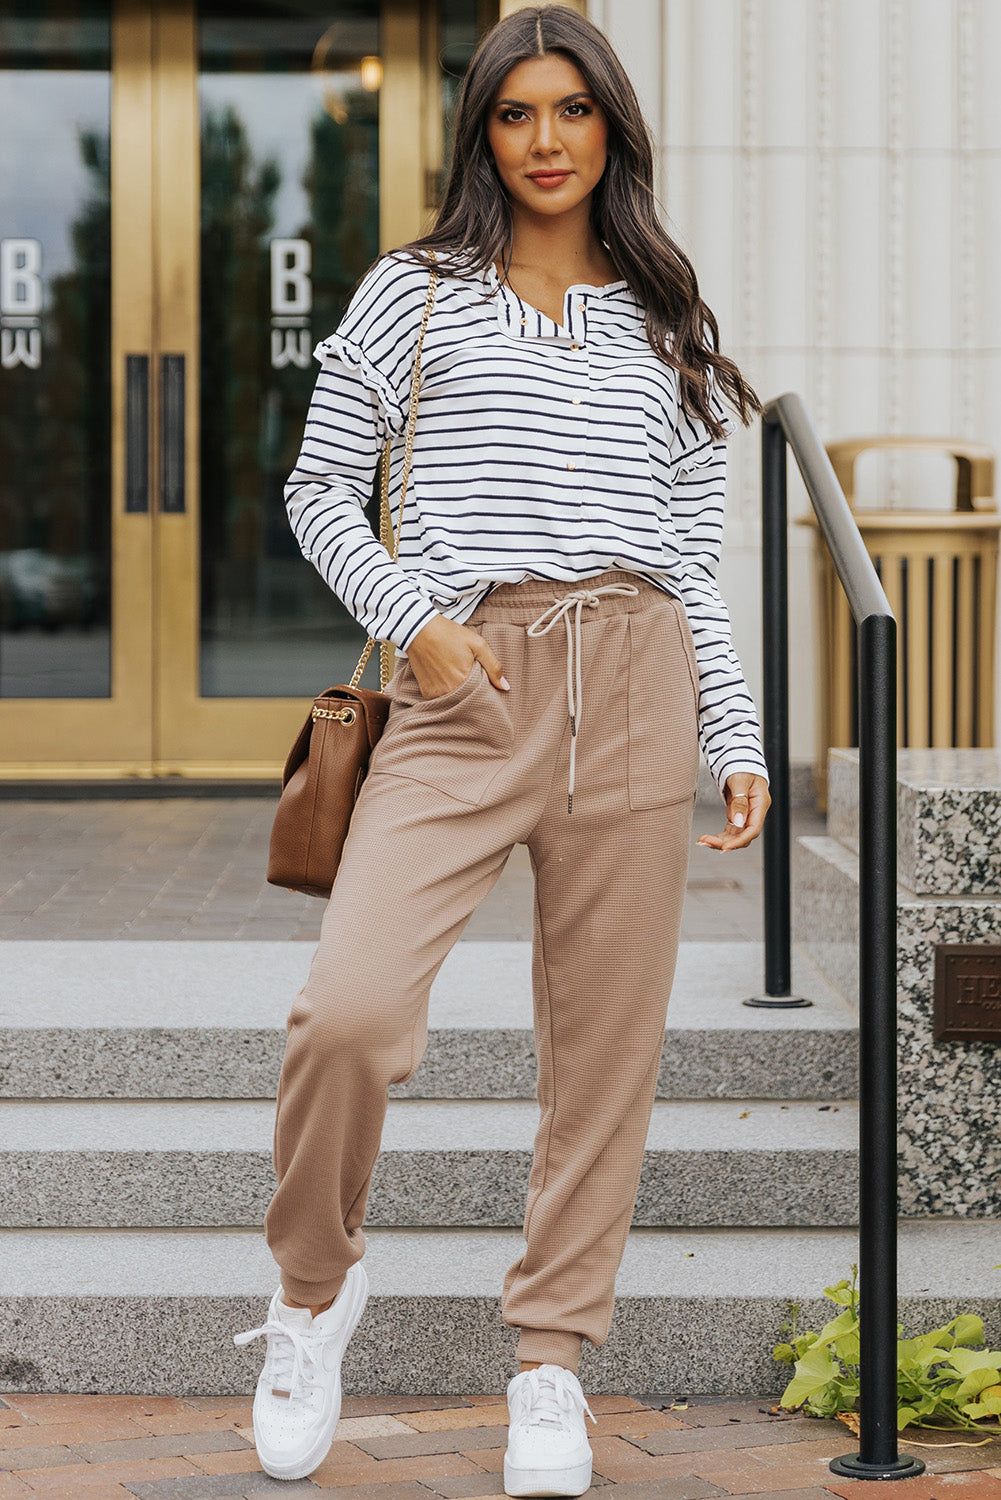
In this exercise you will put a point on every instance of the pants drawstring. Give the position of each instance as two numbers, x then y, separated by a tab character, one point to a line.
560	609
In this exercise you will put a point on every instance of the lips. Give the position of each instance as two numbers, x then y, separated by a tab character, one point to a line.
549	178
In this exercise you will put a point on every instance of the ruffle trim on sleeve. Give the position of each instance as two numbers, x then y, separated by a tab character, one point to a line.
354	357
701	451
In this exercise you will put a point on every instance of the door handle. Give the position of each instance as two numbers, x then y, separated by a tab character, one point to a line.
137	433
172	490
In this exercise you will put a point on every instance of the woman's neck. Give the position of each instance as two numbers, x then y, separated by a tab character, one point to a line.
564	248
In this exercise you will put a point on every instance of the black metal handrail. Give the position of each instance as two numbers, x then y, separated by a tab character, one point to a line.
786	422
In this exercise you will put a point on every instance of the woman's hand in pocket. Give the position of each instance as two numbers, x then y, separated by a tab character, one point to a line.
442	656
747	800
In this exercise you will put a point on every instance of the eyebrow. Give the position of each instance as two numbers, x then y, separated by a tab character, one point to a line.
520	103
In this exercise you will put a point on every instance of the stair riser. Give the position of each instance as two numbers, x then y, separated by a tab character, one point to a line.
696	1310
223	1063
427	1189
436	1345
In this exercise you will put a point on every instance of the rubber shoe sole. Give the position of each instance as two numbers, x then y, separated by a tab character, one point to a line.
575	1480
325	1437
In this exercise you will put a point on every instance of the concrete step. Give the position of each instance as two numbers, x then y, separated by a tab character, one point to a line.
697	1310
207	1020
948	818
187	1163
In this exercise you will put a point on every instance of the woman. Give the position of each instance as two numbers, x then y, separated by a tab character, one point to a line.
562	651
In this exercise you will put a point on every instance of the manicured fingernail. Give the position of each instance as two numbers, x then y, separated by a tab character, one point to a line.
738	820
505	684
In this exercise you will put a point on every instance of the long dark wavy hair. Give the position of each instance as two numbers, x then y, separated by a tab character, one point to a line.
474	220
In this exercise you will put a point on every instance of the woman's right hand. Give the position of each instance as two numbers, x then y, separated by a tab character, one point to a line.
442	656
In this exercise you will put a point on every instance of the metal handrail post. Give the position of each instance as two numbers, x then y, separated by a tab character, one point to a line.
775	721
775	704
878	1456
878	1035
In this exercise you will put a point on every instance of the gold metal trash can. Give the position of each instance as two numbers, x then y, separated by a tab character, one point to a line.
939	570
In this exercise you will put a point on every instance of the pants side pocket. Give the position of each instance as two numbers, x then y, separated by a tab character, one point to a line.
663	761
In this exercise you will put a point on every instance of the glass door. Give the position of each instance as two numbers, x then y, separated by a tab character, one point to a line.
295	141
75	547
216	179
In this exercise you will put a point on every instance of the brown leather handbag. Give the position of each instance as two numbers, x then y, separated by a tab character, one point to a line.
328	761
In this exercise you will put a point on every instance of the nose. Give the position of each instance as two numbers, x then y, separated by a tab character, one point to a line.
547	136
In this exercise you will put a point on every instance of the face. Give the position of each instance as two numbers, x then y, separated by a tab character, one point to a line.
545	120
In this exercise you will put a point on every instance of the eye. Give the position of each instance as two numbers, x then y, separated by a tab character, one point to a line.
579	104
510	112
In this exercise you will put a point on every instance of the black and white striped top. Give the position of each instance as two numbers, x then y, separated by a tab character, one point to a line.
541	451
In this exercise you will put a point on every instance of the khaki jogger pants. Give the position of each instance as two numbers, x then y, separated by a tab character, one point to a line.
454	782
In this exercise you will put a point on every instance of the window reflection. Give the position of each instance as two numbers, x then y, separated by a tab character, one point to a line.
55	350
290	221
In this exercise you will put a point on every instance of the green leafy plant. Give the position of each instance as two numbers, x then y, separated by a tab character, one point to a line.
945	1378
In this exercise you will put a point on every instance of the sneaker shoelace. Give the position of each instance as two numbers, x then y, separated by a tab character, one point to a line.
292	1356
547	1398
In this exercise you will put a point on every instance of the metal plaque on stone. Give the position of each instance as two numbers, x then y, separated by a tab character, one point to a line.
967	992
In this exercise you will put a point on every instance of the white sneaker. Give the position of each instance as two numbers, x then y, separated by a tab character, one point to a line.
547	1448
293	1432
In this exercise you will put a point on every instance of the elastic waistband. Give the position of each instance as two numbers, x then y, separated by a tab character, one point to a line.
520	603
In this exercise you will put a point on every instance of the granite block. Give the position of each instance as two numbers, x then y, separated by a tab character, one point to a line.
949	1093
948	818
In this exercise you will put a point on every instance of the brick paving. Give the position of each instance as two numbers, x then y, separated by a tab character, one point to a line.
414	1448
193	867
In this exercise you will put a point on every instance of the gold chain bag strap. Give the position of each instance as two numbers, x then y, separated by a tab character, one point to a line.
328	761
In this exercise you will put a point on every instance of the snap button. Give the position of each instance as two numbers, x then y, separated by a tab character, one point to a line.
575	400
571	466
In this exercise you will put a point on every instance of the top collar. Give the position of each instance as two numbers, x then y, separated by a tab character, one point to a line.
520	319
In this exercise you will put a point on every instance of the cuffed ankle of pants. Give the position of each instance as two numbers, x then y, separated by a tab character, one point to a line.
454	783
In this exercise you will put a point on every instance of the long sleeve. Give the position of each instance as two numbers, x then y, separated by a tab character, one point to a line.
360	399
728	723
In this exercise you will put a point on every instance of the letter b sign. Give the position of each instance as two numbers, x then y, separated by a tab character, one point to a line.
291	288
21	277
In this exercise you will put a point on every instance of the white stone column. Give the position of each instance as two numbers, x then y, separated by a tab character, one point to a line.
833	168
